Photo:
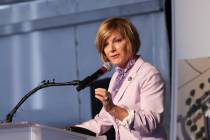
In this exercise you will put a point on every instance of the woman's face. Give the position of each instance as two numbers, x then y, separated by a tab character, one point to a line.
118	50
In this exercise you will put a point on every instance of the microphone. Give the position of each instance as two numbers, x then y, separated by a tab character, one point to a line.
89	79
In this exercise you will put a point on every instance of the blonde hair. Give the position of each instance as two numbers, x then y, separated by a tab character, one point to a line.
119	25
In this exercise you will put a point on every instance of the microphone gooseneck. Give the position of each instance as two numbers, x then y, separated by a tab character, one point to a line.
44	84
89	79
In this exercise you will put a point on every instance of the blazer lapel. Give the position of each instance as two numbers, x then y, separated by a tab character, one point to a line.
111	84
130	77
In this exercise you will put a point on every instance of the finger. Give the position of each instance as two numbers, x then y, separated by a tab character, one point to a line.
102	93
105	92
100	89
102	96
99	94
99	98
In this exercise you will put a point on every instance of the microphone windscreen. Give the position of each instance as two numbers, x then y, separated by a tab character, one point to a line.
108	66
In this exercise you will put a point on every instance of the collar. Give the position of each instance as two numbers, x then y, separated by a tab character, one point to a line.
129	65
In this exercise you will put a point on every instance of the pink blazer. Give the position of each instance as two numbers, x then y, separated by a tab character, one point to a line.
142	91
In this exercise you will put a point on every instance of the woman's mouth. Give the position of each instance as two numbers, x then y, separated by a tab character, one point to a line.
115	56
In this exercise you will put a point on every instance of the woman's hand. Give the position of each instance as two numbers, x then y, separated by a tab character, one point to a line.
105	97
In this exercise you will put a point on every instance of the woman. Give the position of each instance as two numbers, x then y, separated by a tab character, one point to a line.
134	102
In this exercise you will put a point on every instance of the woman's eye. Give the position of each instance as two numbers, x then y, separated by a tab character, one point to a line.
118	40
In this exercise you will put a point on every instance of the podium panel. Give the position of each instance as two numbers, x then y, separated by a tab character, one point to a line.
33	131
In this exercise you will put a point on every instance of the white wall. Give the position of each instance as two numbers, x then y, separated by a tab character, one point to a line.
191	28
191	39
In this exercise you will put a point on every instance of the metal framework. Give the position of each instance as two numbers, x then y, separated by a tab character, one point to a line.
142	7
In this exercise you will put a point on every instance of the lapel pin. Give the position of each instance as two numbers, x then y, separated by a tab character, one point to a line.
129	78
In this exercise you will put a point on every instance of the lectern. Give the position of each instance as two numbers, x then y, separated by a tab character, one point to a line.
34	131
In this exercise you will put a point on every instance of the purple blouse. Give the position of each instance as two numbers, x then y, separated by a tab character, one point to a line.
122	73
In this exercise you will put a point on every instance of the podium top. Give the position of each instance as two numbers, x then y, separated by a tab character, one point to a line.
20	124
44	130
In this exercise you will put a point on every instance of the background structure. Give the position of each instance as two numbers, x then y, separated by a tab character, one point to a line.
55	39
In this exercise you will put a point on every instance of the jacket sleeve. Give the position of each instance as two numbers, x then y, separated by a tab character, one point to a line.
149	116
99	124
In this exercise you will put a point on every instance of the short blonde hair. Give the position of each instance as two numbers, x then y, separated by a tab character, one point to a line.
119	25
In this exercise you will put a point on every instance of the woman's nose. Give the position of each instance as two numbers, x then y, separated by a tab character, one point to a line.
112	48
